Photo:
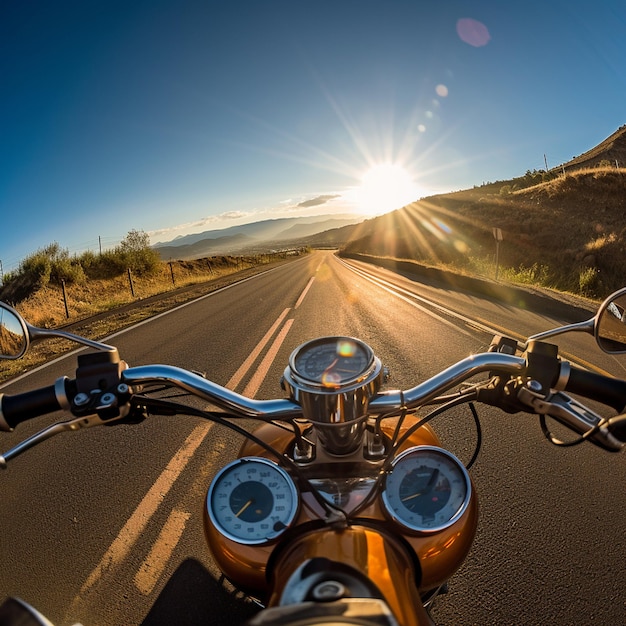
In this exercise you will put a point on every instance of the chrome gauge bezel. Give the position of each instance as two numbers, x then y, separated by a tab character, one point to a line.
282	509
455	475
333	390
304	381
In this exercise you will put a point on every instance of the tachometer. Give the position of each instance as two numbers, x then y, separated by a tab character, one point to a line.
427	490
252	500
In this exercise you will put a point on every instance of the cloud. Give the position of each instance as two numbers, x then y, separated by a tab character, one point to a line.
188	227
231	215
317	201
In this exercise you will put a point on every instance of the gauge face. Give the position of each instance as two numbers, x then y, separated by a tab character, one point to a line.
427	490
252	500
332	361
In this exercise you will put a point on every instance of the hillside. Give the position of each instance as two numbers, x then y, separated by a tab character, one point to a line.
611	150
568	233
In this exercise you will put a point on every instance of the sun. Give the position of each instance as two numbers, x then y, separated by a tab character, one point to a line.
385	187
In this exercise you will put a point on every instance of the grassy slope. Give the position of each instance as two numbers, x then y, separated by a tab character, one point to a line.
567	233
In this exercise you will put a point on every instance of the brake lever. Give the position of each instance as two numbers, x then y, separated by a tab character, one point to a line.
94	409
52	430
570	413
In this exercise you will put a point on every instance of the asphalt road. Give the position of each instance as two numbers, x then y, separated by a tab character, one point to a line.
105	527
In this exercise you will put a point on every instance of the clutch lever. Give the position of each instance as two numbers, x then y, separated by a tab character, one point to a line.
54	429
571	413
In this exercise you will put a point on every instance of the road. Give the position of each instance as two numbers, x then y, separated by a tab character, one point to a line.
105	527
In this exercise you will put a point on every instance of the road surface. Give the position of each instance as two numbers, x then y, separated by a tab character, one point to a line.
104	526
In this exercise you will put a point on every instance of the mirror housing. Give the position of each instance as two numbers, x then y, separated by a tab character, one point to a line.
610	324
16	335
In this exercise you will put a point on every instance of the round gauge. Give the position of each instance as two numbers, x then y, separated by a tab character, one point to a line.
332	361
427	490
252	500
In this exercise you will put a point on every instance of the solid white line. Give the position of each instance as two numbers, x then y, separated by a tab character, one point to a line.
151	569
125	330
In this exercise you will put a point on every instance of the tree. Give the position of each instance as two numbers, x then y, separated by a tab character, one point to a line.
137	253
135	241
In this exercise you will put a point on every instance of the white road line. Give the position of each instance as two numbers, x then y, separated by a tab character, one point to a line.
247	364
137	522
123	331
154	564
255	382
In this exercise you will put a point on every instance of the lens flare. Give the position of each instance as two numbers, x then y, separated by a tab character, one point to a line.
346	348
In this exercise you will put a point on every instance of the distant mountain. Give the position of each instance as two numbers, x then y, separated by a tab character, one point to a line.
206	247
246	237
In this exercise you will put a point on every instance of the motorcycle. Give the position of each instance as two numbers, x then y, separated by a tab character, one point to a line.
342	506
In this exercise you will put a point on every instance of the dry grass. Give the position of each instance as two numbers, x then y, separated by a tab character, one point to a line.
573	228
99	308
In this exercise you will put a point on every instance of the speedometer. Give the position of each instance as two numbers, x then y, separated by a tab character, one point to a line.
332	362
252	500
427	490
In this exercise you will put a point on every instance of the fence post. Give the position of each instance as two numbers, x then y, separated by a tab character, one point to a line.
130	281
172	273
67	311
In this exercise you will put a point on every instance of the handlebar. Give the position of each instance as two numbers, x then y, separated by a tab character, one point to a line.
24	406
604	389
65	394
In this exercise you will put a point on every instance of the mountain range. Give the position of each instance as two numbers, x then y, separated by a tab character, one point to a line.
251	238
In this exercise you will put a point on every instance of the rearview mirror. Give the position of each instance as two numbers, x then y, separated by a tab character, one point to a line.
16	335
13	333
610	327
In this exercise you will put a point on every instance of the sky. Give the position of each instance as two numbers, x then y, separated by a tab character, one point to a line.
180	116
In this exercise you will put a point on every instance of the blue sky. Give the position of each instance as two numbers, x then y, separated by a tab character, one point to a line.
176	116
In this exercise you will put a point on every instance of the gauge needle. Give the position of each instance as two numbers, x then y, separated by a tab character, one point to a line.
243	508
330	367
431	483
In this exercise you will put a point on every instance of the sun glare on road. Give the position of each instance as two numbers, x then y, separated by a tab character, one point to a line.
385	187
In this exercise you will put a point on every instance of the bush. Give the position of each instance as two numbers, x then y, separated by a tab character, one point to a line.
136	254
588	282
49	265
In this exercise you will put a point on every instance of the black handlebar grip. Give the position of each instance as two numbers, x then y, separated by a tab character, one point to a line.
604	389
24	406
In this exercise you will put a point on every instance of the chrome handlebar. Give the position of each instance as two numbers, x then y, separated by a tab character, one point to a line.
278	409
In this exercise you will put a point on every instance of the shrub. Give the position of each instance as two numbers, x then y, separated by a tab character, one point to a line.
588	281
136	254
49	265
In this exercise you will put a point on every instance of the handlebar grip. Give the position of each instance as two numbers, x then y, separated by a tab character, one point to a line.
21	407
604	389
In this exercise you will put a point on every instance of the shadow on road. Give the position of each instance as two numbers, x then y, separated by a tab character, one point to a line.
192	597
